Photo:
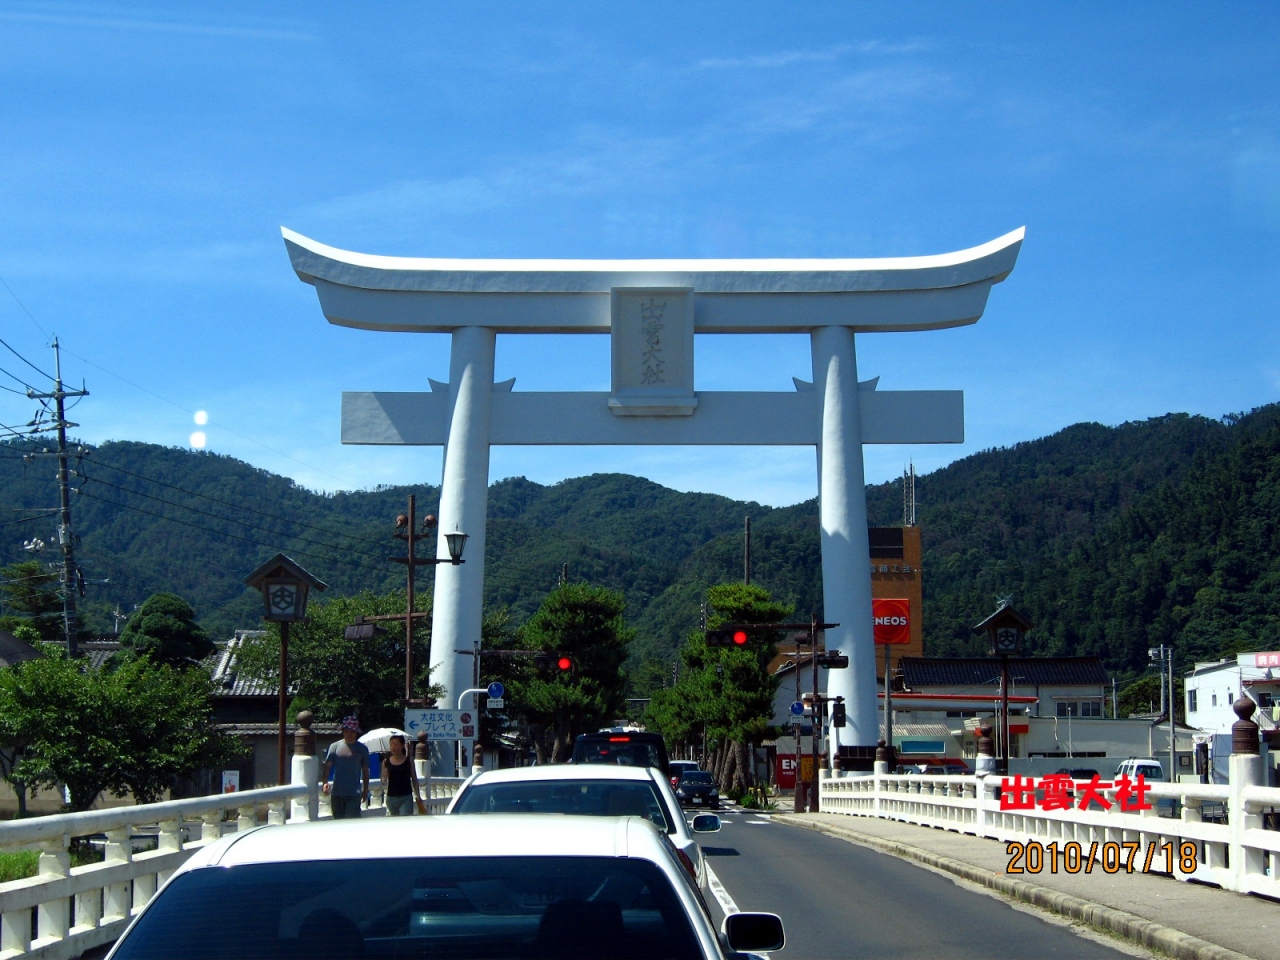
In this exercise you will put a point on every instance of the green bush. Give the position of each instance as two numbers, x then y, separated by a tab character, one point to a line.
16	866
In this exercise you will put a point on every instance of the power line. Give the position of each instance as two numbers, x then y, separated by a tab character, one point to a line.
236	506
196	526
24	359
215	516
221	426
24	309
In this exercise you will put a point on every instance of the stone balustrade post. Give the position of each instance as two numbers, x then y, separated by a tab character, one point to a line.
986	760
305	770
1245	770
211	825
117	898
53	917
246	818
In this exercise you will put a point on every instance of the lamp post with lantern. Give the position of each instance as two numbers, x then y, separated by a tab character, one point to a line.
1005	629
285	588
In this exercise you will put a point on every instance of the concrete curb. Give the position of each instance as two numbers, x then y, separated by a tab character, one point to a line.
1147	933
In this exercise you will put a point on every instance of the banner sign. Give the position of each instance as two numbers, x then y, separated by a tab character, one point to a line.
1266	659
892	620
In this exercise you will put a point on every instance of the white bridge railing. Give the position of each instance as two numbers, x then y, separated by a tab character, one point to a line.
1238	854
63	910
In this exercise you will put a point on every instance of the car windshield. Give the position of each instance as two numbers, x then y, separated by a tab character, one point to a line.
474	907
699	776
592	798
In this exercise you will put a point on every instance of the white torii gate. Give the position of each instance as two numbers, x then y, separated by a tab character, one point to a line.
652	309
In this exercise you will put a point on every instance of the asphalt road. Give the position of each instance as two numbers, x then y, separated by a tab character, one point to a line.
841	901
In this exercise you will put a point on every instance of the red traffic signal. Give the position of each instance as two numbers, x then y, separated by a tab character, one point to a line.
740	637
564	664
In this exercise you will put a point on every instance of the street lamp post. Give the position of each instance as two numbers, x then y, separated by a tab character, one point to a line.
1004	629
406	530
285	587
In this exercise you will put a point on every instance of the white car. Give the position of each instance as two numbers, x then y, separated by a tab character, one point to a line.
388	888
589	789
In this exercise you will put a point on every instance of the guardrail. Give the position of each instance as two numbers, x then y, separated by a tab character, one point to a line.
64	911
1238	854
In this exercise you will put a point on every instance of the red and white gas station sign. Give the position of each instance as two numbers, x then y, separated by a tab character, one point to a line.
892	619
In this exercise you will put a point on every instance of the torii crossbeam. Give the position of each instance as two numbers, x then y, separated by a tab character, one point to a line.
652	309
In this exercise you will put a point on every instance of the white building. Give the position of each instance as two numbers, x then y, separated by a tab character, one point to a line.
1211	688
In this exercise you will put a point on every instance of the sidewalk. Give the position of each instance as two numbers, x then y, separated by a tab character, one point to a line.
1188	921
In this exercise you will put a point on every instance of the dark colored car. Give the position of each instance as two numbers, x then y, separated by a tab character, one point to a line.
1079	773
627	748
697	788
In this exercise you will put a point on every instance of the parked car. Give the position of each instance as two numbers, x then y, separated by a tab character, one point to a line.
498	887
589	790
626	748
1079	773
679	768
697	788
1150	768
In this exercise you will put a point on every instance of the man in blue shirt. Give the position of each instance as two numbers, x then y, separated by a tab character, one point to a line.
348	760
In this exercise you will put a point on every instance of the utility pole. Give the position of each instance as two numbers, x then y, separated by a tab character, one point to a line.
746	552
71	580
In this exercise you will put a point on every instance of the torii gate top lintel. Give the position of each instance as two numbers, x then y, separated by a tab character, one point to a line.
438	295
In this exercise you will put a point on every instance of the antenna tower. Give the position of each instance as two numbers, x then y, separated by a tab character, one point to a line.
909	496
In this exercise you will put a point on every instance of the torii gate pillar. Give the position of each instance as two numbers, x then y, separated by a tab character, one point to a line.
842	521
652	309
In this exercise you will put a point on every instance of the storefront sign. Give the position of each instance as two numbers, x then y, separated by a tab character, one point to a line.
892	620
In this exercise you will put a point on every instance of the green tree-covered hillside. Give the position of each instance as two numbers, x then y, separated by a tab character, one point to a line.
1112	539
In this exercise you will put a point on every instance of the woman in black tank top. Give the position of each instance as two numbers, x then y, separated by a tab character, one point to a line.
399	779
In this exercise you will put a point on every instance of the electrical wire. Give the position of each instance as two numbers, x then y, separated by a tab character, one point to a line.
196	526
215	516
25	310
220	426
236	506
22	358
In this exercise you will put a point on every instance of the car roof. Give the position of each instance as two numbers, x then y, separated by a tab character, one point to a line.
488	835
565	771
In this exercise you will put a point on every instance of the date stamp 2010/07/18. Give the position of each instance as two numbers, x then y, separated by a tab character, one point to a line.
1110	857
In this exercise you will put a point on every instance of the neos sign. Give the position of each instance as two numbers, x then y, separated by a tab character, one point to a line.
892	619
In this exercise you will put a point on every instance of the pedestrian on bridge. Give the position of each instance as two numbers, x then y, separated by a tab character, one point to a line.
348	761
400	779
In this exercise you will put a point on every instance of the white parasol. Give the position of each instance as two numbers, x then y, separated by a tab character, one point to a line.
378	741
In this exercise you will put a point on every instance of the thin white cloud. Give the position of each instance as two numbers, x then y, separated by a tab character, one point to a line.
786	58
80	17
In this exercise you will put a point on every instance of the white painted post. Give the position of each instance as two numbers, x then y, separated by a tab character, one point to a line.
842	512
459	590
53	917
117	897
1245	770
305	771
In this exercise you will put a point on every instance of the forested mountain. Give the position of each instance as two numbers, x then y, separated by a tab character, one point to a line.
1111	539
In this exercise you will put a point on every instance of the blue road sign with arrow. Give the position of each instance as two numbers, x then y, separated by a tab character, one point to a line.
496	690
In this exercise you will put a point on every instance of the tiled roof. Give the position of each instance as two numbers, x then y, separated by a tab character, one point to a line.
271	729
919	672
226	675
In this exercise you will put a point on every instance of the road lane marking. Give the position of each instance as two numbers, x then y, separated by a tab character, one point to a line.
720	893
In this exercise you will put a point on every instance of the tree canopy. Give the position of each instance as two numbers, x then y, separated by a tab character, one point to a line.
32	602
334	677
164	629
137	728
585	624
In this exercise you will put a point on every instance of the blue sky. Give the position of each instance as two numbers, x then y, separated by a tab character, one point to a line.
151	153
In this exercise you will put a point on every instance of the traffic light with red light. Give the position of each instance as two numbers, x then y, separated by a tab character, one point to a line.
564	664
728	637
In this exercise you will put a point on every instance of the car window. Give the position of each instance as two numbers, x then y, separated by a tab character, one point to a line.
697	776
627	753
591	798
493	907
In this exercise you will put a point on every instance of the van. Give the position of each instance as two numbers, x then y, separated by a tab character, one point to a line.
629	748
1151	769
